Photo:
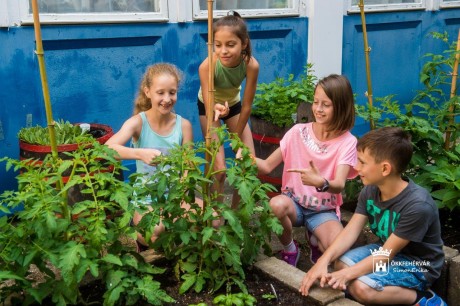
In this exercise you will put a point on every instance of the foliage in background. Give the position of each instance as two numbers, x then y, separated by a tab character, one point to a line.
208	258
427	118
66	242
277	101
66	133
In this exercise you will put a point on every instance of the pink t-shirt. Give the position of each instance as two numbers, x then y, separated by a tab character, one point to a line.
298	146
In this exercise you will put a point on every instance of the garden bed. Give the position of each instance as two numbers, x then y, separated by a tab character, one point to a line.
265	289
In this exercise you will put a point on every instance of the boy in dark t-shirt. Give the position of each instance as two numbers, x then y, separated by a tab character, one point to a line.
409	257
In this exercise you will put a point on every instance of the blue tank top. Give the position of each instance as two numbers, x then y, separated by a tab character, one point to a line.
150	139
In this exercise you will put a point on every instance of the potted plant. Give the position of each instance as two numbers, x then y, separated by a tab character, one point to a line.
278	105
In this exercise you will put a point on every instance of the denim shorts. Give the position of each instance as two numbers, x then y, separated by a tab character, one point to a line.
311	219
401	271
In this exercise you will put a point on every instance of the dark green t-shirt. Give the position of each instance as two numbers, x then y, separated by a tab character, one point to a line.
411	215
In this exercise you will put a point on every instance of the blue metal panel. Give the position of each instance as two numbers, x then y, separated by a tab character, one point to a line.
398	42
94	71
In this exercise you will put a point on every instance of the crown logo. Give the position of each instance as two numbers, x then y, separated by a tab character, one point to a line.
381	252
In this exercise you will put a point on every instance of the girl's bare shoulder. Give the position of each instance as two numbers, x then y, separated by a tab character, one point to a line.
252	64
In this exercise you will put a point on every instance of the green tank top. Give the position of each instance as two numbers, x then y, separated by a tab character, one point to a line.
227	83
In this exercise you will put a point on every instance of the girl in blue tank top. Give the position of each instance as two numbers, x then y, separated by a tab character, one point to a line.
154	128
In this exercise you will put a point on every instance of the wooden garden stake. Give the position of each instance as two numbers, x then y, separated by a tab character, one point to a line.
367	50
46	94
210	100
46	98
453	91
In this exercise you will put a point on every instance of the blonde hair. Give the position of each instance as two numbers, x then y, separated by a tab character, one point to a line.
142	102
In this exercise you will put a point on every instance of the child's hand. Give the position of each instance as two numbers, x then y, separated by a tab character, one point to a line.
148	155
221	110
309	176
317	273
338	279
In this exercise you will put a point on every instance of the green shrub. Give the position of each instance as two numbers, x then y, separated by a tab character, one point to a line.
436	162
277	101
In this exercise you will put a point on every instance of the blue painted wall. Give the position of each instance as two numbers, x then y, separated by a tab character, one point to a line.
398	42
94	70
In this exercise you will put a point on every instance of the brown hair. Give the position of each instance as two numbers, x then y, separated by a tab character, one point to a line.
238	27
142	102
388	143
338	89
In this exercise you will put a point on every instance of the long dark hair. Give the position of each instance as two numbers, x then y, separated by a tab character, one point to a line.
238	27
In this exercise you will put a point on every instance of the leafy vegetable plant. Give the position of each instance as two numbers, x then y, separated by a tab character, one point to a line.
208	257
66	243
66	133
277	101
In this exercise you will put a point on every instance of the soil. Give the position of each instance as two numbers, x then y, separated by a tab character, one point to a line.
266	290
450	231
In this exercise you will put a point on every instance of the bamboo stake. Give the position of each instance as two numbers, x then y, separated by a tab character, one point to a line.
453	91
46	98
210	100
367	50
41	63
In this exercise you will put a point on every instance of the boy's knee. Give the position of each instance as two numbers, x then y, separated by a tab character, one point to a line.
362	292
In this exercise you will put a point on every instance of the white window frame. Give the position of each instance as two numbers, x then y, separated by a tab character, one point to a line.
17	13
387	7
199	14
444	4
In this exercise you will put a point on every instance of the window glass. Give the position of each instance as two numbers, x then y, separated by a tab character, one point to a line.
95	11
245	4
450	3
376	2
90	6
246	8
386	5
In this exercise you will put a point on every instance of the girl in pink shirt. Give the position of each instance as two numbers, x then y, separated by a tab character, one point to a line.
318	159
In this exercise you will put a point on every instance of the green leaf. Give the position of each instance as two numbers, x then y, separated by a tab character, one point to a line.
190	279
113	259
69	258
207	233
112	296
200	283
10	275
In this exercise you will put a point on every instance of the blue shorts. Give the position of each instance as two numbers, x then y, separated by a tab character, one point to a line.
311	219
401	271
